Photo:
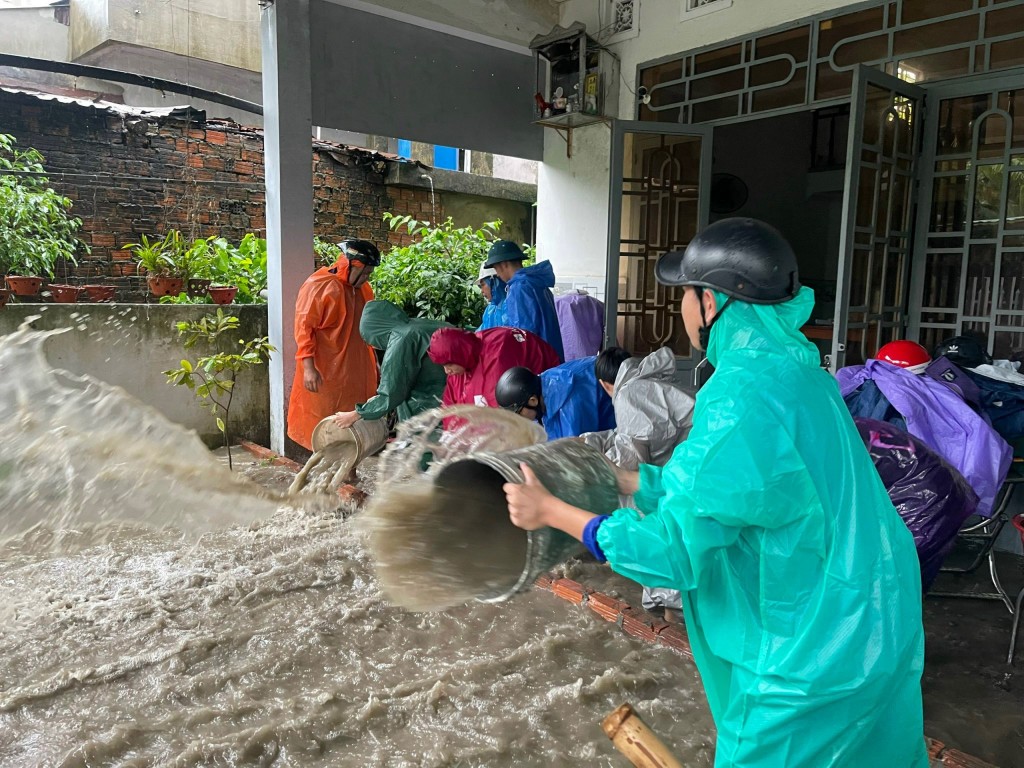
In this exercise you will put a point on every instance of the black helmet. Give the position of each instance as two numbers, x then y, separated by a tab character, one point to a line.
743	258
515	388
965	351
362	251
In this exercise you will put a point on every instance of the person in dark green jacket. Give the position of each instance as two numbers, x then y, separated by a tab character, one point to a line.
409	382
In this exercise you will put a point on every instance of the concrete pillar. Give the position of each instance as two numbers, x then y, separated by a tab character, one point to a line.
288	158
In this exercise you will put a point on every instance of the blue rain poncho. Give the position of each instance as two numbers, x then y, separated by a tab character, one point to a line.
801	586
494	312
530	305
574	402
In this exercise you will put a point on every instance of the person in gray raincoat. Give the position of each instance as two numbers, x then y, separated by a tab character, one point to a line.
652	415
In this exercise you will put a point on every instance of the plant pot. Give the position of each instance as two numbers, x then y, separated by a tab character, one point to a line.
4	296
223	294
24	286
65	294
164	286
98	293
198	287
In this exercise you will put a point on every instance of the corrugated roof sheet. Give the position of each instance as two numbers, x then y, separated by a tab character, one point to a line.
185	112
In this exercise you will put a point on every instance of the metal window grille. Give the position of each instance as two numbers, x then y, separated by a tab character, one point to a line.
692	5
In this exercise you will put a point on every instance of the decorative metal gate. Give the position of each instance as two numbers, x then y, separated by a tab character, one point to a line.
874	252
970	246
660	174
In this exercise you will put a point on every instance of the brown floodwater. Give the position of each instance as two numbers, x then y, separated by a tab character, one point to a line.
157	610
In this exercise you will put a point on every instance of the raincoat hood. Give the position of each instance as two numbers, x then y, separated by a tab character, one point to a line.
455	346
763	329
497	289
379	320
541	274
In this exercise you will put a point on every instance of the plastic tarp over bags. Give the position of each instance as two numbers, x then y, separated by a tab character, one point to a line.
581	322
932	498
574	402
801	585
941	420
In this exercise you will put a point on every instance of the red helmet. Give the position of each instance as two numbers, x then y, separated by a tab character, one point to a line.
905	354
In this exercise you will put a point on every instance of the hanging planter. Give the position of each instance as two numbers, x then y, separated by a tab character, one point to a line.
4	296
197	287
100	293
65	294
223	294
160	285
24	286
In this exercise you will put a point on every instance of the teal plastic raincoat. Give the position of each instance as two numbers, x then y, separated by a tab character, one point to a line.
410	382
801	586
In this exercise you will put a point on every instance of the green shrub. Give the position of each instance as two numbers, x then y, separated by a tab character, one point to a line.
36	228
435	276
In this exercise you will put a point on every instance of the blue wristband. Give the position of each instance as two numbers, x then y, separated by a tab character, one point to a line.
590	537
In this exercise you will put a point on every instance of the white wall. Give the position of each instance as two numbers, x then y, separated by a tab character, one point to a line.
572	195
572	208
33	32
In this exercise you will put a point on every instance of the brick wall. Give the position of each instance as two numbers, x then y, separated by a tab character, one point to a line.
203	178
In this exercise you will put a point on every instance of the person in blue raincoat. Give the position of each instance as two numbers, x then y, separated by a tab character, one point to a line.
567	399
494	292
801	587
529	303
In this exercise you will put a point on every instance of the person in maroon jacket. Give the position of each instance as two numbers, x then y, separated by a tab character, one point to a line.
475	361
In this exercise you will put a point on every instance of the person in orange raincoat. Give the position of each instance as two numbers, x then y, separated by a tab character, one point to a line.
335	368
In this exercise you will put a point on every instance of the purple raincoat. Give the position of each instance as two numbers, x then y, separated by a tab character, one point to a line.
581	321
931	497
943	421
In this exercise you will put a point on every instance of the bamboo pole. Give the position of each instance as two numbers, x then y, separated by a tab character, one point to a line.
636	741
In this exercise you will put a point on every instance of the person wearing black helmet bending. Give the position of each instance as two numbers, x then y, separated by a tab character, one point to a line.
800	583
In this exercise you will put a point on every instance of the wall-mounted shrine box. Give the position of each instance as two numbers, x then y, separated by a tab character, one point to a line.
574	75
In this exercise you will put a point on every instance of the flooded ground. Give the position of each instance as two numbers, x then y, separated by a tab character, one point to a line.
200	621
158	612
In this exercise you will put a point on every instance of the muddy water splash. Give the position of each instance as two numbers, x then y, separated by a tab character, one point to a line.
77	454
269	643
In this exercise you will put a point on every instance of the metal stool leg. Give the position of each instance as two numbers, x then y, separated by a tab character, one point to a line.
1016	625
1003	595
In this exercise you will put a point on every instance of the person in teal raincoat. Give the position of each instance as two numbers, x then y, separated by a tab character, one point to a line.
410	382
800	583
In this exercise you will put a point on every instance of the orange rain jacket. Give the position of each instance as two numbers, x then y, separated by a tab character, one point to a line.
327	313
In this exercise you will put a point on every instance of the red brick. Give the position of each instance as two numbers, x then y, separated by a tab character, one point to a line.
195	161
570	590
103	240
244	169
543	582
216	137
607	607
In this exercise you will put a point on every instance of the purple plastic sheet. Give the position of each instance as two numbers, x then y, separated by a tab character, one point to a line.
931	497
943	421
581	321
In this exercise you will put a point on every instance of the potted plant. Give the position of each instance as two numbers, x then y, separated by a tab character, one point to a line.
196	264
157	260
223	294
36	228
100	292
65	294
